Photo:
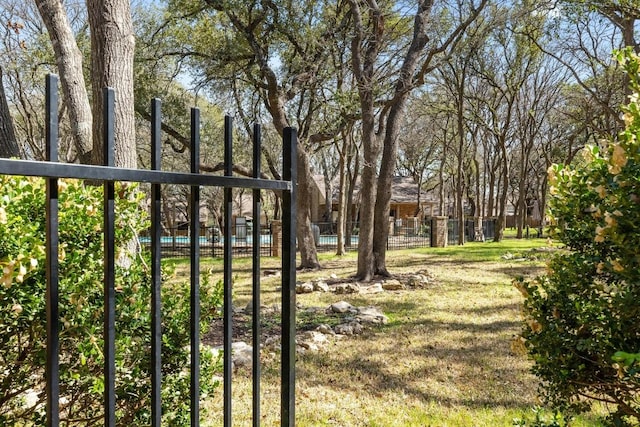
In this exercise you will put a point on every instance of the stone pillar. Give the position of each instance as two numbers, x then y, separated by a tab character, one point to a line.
439	231
276	238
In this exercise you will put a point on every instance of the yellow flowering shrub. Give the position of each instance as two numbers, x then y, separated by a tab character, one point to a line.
582	325
23	311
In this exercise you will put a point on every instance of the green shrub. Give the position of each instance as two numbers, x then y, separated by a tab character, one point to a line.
582	317
23	311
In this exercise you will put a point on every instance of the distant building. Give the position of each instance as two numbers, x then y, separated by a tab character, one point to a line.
404	199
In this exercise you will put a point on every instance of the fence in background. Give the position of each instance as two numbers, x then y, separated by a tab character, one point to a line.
488	229
403	234
176	242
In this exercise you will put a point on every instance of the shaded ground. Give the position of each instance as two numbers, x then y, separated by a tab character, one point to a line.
446	358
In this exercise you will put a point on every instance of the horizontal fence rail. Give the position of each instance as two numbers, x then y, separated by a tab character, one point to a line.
108	175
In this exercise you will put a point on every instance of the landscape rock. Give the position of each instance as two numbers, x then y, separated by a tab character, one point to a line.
325	329
304	288
314	337
418	281
303	346
392	285
320	286
376	288
347	288
341	307
351	328
371	315
272	341
242	354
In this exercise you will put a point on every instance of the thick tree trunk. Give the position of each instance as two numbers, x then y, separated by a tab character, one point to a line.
390	150
365	47
383	196
368	185
112	49
304	233
69	61
8	142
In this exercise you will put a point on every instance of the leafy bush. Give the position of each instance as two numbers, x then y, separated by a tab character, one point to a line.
582	317
23	311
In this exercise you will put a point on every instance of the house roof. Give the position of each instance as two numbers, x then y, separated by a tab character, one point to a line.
403	190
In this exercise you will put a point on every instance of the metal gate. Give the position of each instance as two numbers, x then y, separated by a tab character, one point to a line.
108	175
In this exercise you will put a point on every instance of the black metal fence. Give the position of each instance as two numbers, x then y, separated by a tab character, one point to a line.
108	174
403	234
488	229
176	242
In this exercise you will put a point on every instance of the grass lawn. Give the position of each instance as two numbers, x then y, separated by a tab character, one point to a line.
445	358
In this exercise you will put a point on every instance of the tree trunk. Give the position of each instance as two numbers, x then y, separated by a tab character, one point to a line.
69	61
342	194
304	232
351	208
502	207
478	233
8	142
368	184
491	197
460	81
441	191
112	49
327	216
390	148
365	47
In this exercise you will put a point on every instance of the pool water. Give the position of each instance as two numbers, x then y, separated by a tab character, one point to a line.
265	239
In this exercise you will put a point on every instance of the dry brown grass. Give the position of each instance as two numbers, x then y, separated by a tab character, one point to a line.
445	358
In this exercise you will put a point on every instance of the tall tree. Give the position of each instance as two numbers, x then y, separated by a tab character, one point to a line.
69	61
112	52
372	22
8	143
507	61
275	53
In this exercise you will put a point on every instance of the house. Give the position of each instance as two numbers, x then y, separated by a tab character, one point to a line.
404	199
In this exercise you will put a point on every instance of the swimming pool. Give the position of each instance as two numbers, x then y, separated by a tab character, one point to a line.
265	239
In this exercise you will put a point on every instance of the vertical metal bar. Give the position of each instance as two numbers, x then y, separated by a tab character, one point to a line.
228	308
156	269
53	322
257	244
289	203
109	265
195	271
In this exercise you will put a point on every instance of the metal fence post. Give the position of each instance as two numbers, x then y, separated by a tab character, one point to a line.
289	202
53	321
109	265
256	244
194	299
156	271
228	251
